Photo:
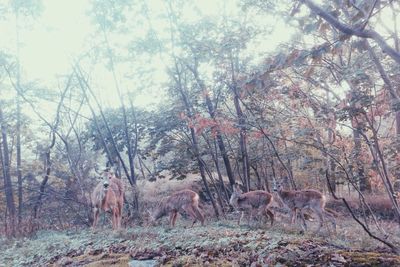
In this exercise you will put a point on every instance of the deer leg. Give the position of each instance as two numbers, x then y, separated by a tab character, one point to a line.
120	208
250	217
96	213
199	214
189	210
332	219
293	216
262	211
240	217
320	218
114	217
259	215
119	218
271	215
194	212
173	218
303	220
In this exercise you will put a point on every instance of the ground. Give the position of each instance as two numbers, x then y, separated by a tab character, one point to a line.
219	243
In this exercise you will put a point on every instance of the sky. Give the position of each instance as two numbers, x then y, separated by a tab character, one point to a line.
51	42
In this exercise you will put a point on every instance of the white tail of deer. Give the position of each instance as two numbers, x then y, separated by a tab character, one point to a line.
108	195
305	199
254	200
182	201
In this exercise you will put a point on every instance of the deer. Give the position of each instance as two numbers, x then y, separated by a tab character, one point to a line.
299	200
258	199
182	201
108	195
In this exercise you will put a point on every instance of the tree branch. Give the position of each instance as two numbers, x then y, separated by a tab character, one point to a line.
359	32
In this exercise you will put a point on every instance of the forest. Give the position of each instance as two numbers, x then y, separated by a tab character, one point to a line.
200	133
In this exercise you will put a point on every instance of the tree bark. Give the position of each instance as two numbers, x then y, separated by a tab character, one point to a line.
8	188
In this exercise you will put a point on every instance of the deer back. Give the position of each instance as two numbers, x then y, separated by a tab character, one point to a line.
302	198
182	198
252	199
176	202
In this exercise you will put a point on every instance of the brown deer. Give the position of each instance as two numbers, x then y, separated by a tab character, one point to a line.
305	199
182	201
108	195
254	200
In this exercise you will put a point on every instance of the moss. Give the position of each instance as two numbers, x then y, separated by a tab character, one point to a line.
370	258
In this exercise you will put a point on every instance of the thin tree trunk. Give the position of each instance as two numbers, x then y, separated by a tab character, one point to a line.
241	121
19	166
8	188
242	141
215	159
365	185
131	156
84	85
195	145
53	131
43	184
220	141
260	186
331	139
18	130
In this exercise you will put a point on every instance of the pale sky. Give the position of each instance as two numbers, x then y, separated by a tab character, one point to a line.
53	41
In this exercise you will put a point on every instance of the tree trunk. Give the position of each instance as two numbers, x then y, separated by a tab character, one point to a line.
46	177
84	85
19	167
214	156
211	111
8	188
131	154
331	139
221	144
18	144
195	146
242	140
365	185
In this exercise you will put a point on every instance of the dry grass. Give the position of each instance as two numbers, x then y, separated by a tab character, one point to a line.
380	205
153	191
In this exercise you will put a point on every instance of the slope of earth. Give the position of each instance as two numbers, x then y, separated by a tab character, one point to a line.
216	244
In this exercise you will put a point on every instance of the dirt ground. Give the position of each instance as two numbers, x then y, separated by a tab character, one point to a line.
218	243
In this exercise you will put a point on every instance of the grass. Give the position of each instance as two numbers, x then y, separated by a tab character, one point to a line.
219	243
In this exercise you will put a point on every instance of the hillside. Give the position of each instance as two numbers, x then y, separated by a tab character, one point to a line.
220	243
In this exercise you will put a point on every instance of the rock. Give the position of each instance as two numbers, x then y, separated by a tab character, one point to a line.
142	263
338	258
144	254
64	261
